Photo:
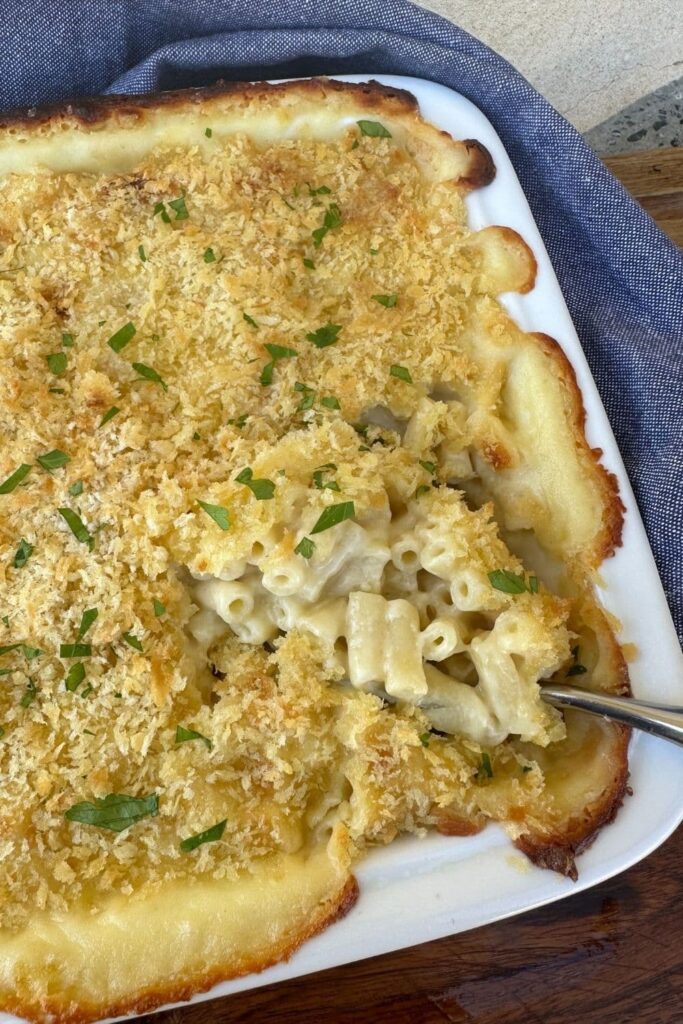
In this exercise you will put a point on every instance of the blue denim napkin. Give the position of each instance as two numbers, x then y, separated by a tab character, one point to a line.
621	277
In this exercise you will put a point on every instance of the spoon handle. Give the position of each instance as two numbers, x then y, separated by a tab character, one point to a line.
662	720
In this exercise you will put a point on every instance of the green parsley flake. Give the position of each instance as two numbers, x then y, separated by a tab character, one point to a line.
429	466
266	377
512	583
86	691
53	460
159	608
31	653
67	340
76	525
161	209
179	208
324	336
281	351
240	421
209	255
373	129
332	219
24	552
30	695
330	402
309	264
148	373
87	619
422	489
264	490
141	253
75	650
208	132
116	812
485	769
56	391
57	362
109	415
76	488
122	337
133	641
333	515
330	485
217	513
6	648
74	677
305	547
250	320
15	479
401	373
183	735
209	835
386	300
425	738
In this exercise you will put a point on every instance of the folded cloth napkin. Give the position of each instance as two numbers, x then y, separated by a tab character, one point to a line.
621	277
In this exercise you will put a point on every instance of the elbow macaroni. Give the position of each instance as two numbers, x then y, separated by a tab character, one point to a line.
389	597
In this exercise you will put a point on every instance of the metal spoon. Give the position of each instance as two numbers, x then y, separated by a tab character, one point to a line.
664	720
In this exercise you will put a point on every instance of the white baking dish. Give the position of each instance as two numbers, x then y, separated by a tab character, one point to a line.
421	889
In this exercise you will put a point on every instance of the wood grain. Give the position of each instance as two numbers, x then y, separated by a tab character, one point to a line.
656	181
612	955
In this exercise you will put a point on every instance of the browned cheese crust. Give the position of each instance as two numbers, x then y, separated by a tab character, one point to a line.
308	773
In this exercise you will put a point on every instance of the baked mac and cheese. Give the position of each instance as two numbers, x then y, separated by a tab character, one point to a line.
294	521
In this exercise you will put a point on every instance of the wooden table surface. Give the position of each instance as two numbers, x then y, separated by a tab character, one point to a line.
611	955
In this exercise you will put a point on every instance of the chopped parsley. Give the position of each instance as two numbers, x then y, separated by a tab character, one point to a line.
122	337
30	694
88	732
374	252
76	525
208	132
305	547
430	467
512	583
160	208
148	373
374	129
53	460
6	648
308	396
76	488
31	653
75	650
309	264
240	421
217	513
159	608
401	373
141	253
116	812
485	769
109	415
87	619
281	351
209	255
15	478
330	402
179	208
86	691
67	340
422	489
333	515
23	553
183	735
424	739
266	377
74	677
322	191
57	362
250	320
332	219
209	835
324	336
133	641
386	300
56	391
322	485
261	489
